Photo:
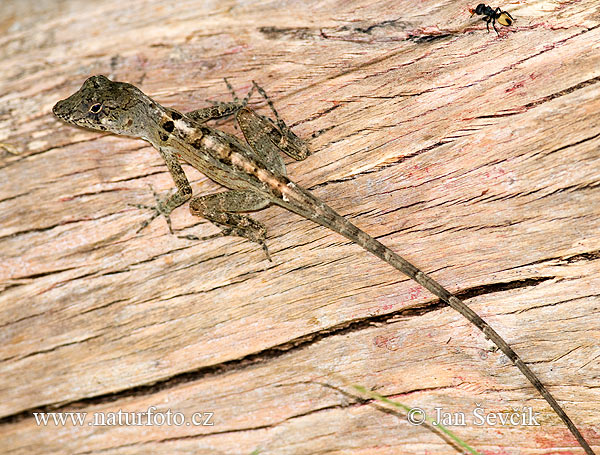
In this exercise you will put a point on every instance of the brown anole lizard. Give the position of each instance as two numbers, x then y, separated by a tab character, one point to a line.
254	174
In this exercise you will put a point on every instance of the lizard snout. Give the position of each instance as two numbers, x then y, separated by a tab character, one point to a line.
58	109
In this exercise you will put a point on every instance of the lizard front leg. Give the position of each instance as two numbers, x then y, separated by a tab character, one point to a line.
215	112
166	206
221	209
220	109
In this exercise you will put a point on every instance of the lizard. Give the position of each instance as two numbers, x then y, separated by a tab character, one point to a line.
254	175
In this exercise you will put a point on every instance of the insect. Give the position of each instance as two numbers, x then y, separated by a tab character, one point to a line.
492	15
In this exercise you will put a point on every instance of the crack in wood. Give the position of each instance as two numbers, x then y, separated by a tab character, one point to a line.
273	352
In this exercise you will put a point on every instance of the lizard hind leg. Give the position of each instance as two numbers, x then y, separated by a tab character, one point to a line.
221	209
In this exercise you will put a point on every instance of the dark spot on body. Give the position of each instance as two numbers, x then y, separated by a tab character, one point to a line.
276	192
197	144
176	115
163	137
169	126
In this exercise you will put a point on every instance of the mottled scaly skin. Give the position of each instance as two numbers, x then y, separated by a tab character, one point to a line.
254	173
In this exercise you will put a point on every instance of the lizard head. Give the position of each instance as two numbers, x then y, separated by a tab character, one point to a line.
105	105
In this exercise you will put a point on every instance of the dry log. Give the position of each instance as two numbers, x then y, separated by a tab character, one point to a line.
473	155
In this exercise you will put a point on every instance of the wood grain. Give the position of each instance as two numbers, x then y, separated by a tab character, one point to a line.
474	156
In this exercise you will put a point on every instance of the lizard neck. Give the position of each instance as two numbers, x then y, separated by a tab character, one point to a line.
172	128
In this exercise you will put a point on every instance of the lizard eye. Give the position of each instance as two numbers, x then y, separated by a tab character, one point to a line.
95	108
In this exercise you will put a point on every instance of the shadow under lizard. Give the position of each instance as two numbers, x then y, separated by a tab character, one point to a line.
255	175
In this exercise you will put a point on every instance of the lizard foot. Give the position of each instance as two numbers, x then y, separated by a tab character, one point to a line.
159	209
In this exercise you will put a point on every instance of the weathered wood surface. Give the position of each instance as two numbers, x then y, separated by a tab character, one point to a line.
474	156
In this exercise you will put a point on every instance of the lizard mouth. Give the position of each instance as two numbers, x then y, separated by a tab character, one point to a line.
59	110
63	111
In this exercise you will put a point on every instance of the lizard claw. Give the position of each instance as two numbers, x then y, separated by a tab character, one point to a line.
224	232
207	237
147	222
158	210
141	206
266	250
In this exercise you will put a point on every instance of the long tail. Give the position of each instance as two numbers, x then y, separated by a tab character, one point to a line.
326	216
